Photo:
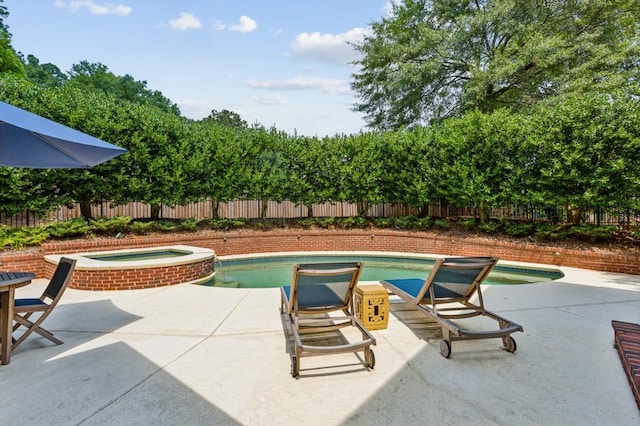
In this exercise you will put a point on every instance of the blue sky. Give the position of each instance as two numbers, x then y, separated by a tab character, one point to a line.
281	63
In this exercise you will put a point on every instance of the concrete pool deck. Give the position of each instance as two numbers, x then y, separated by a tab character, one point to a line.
190	354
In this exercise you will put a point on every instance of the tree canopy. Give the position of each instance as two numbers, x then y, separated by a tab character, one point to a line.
44	75
96	76
432	59
226	118
9	60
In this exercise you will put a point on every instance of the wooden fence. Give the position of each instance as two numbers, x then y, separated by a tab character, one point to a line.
251	209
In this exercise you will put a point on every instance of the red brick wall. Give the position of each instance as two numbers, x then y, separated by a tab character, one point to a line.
240	242
130	279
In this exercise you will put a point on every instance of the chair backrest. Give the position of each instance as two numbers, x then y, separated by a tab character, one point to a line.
324	285
60	279
457	277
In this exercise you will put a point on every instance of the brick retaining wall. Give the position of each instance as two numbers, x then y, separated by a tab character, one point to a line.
243	242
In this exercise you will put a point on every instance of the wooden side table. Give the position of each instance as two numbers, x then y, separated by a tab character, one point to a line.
371	305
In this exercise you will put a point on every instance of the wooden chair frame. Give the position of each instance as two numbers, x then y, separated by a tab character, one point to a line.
435	292
25	308
313	318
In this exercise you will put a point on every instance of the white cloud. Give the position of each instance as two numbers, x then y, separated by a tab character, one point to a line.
275	99
325	85
185	21
245	25
331	48
194	109
93	8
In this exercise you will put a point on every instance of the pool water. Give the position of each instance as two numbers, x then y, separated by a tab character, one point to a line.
138	255
267	272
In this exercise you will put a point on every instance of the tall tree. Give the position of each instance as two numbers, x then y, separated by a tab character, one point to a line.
9	60
226	118
431	59
44	75
96	76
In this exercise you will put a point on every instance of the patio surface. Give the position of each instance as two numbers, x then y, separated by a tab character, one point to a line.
190	355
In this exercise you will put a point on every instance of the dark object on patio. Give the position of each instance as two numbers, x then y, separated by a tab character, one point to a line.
318	290
454	282
25	308
627	337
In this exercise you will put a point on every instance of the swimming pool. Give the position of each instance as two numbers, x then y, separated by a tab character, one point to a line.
277	270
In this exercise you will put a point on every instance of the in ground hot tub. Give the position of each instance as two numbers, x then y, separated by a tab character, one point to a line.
137	268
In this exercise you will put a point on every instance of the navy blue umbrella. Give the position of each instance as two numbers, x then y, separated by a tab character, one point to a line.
31	141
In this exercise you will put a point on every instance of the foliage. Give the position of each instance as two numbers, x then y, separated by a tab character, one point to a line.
226	224
307	223
89	76
165	226
10	62
142	228
406	222
383	222
518	229
226	118
263	224
591	233
190	224
572	150
432	59
475	154
551	231
586	151
423	223
69	229
467	224
361	170
44	75
313	166
442	224
352	222
489	227
326	222
110	226
19	238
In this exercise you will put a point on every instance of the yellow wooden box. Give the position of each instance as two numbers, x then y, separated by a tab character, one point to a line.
371	305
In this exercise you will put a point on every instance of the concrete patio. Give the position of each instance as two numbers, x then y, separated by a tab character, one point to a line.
190	355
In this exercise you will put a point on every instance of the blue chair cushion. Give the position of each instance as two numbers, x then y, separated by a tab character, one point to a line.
412	287
28	302
315	296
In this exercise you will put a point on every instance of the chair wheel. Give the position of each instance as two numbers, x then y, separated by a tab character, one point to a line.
370	359
509	344
445	348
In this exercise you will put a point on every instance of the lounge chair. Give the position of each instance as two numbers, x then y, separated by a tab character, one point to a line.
454	282
25	308
320	300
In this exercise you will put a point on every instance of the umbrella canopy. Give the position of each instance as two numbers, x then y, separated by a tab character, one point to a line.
29	140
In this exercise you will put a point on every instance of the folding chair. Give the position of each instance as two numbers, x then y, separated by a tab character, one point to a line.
454	282
25	308
318	290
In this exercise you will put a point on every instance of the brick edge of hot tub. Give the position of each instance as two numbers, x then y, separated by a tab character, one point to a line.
131	279
99	275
